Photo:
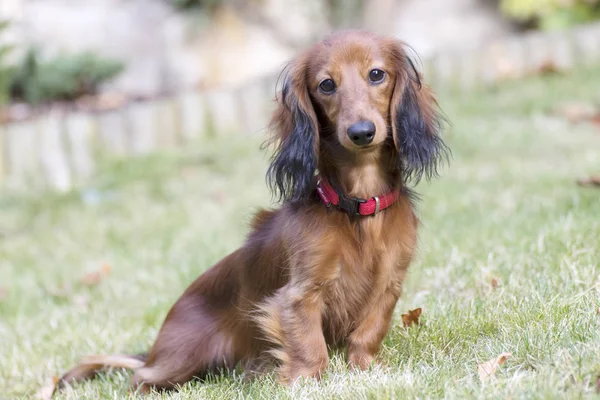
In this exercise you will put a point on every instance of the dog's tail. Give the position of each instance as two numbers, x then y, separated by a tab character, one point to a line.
91	365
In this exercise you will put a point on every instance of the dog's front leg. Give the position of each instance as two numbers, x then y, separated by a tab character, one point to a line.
305	351
364	342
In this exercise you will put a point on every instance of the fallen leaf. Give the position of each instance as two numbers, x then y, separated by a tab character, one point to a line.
105	269
45	393
412	317
591	181
94	278
487	369
548	67
598	385
495	283
577	111
91	278
3	293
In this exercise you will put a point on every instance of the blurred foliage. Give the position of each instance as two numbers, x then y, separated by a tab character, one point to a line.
343	13
64	77
197	3
552	14
5	69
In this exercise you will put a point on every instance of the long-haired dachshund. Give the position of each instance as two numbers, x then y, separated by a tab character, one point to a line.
353	129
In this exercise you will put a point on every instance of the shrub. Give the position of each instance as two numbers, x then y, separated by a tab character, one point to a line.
552	14
5	69
65	77
197	3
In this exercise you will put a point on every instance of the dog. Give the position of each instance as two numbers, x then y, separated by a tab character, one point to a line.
354	130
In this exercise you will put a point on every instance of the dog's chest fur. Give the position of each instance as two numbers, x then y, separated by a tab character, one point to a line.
359	273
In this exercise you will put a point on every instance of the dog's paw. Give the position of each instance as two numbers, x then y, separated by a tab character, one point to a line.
360	360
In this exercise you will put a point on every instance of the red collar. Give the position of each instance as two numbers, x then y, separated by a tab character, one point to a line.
353	205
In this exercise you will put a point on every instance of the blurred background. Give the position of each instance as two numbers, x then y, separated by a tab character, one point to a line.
135	75
130	162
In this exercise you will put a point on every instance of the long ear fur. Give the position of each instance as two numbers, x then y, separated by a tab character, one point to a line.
294	133
416	123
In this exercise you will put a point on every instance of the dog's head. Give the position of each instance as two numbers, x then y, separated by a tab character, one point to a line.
358	91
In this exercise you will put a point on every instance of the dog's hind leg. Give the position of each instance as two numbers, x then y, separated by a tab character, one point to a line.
200	333
194	340
189	344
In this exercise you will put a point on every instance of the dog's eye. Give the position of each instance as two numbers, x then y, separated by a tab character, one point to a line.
327	86
376	75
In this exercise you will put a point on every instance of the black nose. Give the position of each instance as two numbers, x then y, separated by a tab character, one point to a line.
362	133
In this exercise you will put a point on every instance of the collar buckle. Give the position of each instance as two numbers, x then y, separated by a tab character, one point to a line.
350	204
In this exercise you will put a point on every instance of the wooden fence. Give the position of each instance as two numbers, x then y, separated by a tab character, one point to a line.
60	149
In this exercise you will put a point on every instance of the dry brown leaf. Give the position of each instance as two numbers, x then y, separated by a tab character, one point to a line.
495	283
91	278
487	369
591	181
45	393
105	269
94	278
576	112
412	317
548	68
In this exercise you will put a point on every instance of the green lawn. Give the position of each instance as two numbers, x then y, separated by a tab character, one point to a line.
507	210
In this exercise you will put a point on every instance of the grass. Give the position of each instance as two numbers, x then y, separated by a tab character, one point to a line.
508	261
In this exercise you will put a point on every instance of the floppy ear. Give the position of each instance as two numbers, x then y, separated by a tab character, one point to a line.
294	133
416	123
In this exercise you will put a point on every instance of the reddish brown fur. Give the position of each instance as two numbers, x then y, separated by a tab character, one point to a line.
308	277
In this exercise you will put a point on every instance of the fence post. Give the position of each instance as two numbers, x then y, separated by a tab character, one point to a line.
562	50
22	153
587	44
80	132
113	132
165	118
143	128
223	112
254	107
192	115
469	71
52	152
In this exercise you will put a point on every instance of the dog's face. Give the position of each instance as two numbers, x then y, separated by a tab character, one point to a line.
356	90
351	80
